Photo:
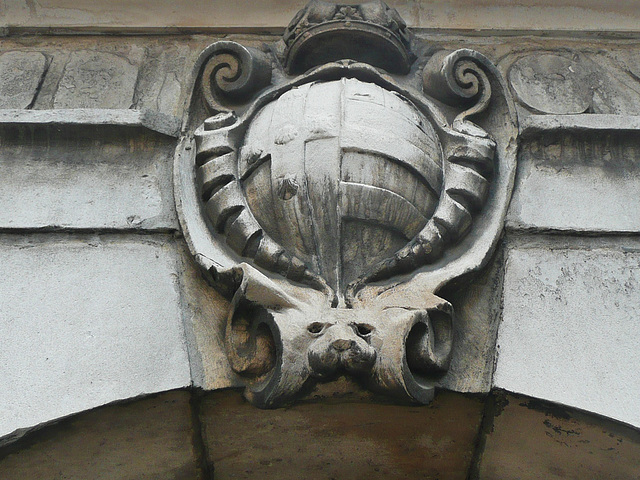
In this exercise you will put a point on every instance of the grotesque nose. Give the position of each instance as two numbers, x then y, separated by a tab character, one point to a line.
342	345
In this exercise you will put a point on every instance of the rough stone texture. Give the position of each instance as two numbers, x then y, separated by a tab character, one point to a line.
576	81
454	14
570	330
606	72
565	184
551	83
145	439
205	319
341	438
580	181
85	177
530	440
86	321
144	73
96	80
477	308
164	69
89	117
141	72
20	76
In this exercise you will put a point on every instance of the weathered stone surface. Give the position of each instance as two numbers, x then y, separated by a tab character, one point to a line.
575	81
570	332
306	224
20	75
341	438
150	438
578	181
551	83
205	319
86	321
616	89
531	440
525	15
94	79
67	117
97	176
478	311
163	70
155	68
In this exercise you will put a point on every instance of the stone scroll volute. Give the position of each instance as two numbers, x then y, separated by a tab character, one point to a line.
330	184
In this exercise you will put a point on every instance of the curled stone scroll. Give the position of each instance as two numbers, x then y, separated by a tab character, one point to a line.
331	205
234	71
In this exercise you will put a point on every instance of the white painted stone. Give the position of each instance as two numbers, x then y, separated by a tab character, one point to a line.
86	321
587	183
570	330
86	177
20	75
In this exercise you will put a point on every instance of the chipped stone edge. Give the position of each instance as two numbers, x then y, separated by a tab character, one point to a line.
151	120
536	124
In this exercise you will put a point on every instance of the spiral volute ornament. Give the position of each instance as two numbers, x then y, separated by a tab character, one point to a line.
234	72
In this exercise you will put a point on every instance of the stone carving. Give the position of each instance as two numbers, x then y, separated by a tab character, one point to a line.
330	200
574	82
371	32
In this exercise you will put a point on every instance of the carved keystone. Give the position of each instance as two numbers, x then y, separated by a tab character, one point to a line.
334	203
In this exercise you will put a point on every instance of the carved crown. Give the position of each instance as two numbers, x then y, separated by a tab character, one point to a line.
370	32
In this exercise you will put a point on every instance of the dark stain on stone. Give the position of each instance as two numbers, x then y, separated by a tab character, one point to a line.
559	430
500	402
345	436
547	408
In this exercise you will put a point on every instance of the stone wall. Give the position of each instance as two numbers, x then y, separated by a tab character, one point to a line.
101	302
177	15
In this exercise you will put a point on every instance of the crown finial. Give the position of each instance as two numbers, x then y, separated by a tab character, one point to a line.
369	32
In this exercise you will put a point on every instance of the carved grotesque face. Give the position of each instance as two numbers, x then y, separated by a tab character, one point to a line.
339	345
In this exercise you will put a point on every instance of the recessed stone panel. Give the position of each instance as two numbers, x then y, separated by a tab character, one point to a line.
86	321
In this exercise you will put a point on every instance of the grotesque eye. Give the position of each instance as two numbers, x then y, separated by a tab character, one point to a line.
315	327
363	329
